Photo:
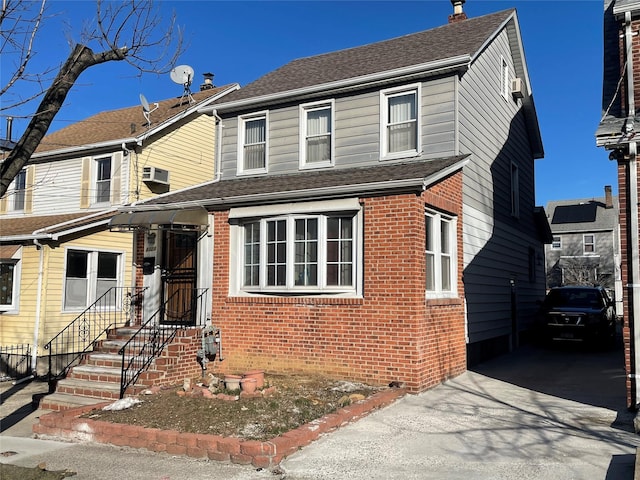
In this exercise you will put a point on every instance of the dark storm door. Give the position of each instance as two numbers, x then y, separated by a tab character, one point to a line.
179	277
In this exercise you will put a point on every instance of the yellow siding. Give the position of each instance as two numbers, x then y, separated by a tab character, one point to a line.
185	150
19	328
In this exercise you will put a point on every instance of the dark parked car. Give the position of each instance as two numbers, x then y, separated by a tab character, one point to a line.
578	314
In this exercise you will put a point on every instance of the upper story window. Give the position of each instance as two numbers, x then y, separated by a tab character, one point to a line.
316	134
103	180
88	277
400	122
440	252
515	191
20	190
504	78
253	147
589	243
556	244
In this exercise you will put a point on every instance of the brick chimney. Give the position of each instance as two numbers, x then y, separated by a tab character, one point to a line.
458	14
608	199
208	82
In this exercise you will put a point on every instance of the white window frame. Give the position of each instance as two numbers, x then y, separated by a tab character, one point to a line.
514	179
384	120
592	243
440	220
304	110
16	261
96	180
505	87
19	193
556	244
242	121
92	276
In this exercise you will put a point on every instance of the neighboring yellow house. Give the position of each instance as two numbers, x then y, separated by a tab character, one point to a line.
57	255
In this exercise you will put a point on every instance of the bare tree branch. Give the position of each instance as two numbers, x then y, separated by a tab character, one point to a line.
130	30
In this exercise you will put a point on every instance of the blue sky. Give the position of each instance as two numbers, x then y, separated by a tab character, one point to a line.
240	41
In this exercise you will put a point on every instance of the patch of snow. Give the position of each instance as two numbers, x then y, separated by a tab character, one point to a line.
345	386
122	404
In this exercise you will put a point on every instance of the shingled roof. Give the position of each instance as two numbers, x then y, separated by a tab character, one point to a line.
313	184
46	225
460	38
124	123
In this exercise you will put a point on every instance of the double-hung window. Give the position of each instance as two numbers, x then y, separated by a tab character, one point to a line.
252	147
400	122
556	244
440	253
89	275
299	253
19	190
103	180
9	278
316	134
589	244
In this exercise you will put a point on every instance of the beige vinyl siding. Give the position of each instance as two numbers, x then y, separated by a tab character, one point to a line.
29	185
184	149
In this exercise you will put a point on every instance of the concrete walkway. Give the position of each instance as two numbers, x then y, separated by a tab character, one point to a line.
535	414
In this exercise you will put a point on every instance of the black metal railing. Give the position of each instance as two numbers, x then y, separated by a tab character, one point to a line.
157	332
117	307
15	361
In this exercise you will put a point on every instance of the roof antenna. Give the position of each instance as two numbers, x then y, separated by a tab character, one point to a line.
183	75
146	110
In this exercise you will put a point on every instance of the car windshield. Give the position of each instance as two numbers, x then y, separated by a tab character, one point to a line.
575	297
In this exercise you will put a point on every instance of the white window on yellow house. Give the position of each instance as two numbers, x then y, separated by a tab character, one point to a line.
91	276
9	277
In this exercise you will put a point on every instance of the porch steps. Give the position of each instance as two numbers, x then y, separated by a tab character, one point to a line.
97	378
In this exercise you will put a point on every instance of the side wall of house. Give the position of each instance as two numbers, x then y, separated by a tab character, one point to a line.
389	334
498	246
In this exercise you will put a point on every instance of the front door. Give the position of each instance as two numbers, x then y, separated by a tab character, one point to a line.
179	277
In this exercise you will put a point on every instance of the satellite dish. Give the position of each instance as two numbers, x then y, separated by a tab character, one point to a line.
145	104
146	110
183	75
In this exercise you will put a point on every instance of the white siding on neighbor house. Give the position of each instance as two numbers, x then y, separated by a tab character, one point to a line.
496	245
357	130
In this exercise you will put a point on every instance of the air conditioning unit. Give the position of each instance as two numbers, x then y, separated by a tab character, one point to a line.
517	88
155	175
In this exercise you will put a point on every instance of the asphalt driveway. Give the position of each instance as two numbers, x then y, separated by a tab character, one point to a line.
539	413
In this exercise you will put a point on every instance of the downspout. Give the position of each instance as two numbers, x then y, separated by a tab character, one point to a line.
634	281
36	331
217	147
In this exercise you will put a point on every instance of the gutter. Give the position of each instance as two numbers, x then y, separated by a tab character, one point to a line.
438	66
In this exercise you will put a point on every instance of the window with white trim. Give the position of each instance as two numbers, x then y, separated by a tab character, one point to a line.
440	254
589	243
103	180
504	78
252	144
19	190
400	122
316	134
515	190
556	243
299	253
9	283
89	275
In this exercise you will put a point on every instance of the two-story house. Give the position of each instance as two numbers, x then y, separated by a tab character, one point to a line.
375	214
57	255
586	244
617	134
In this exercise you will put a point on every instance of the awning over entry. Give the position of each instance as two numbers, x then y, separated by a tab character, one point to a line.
169	219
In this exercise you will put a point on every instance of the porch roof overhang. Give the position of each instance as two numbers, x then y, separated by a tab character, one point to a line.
195	218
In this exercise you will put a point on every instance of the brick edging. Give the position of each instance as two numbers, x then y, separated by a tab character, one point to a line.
68	425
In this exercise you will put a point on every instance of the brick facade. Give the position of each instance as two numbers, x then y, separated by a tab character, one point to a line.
390	334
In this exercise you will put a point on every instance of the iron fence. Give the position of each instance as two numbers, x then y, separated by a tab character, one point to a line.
15	361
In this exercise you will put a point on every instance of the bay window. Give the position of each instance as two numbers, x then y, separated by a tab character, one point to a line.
299	253
440	250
